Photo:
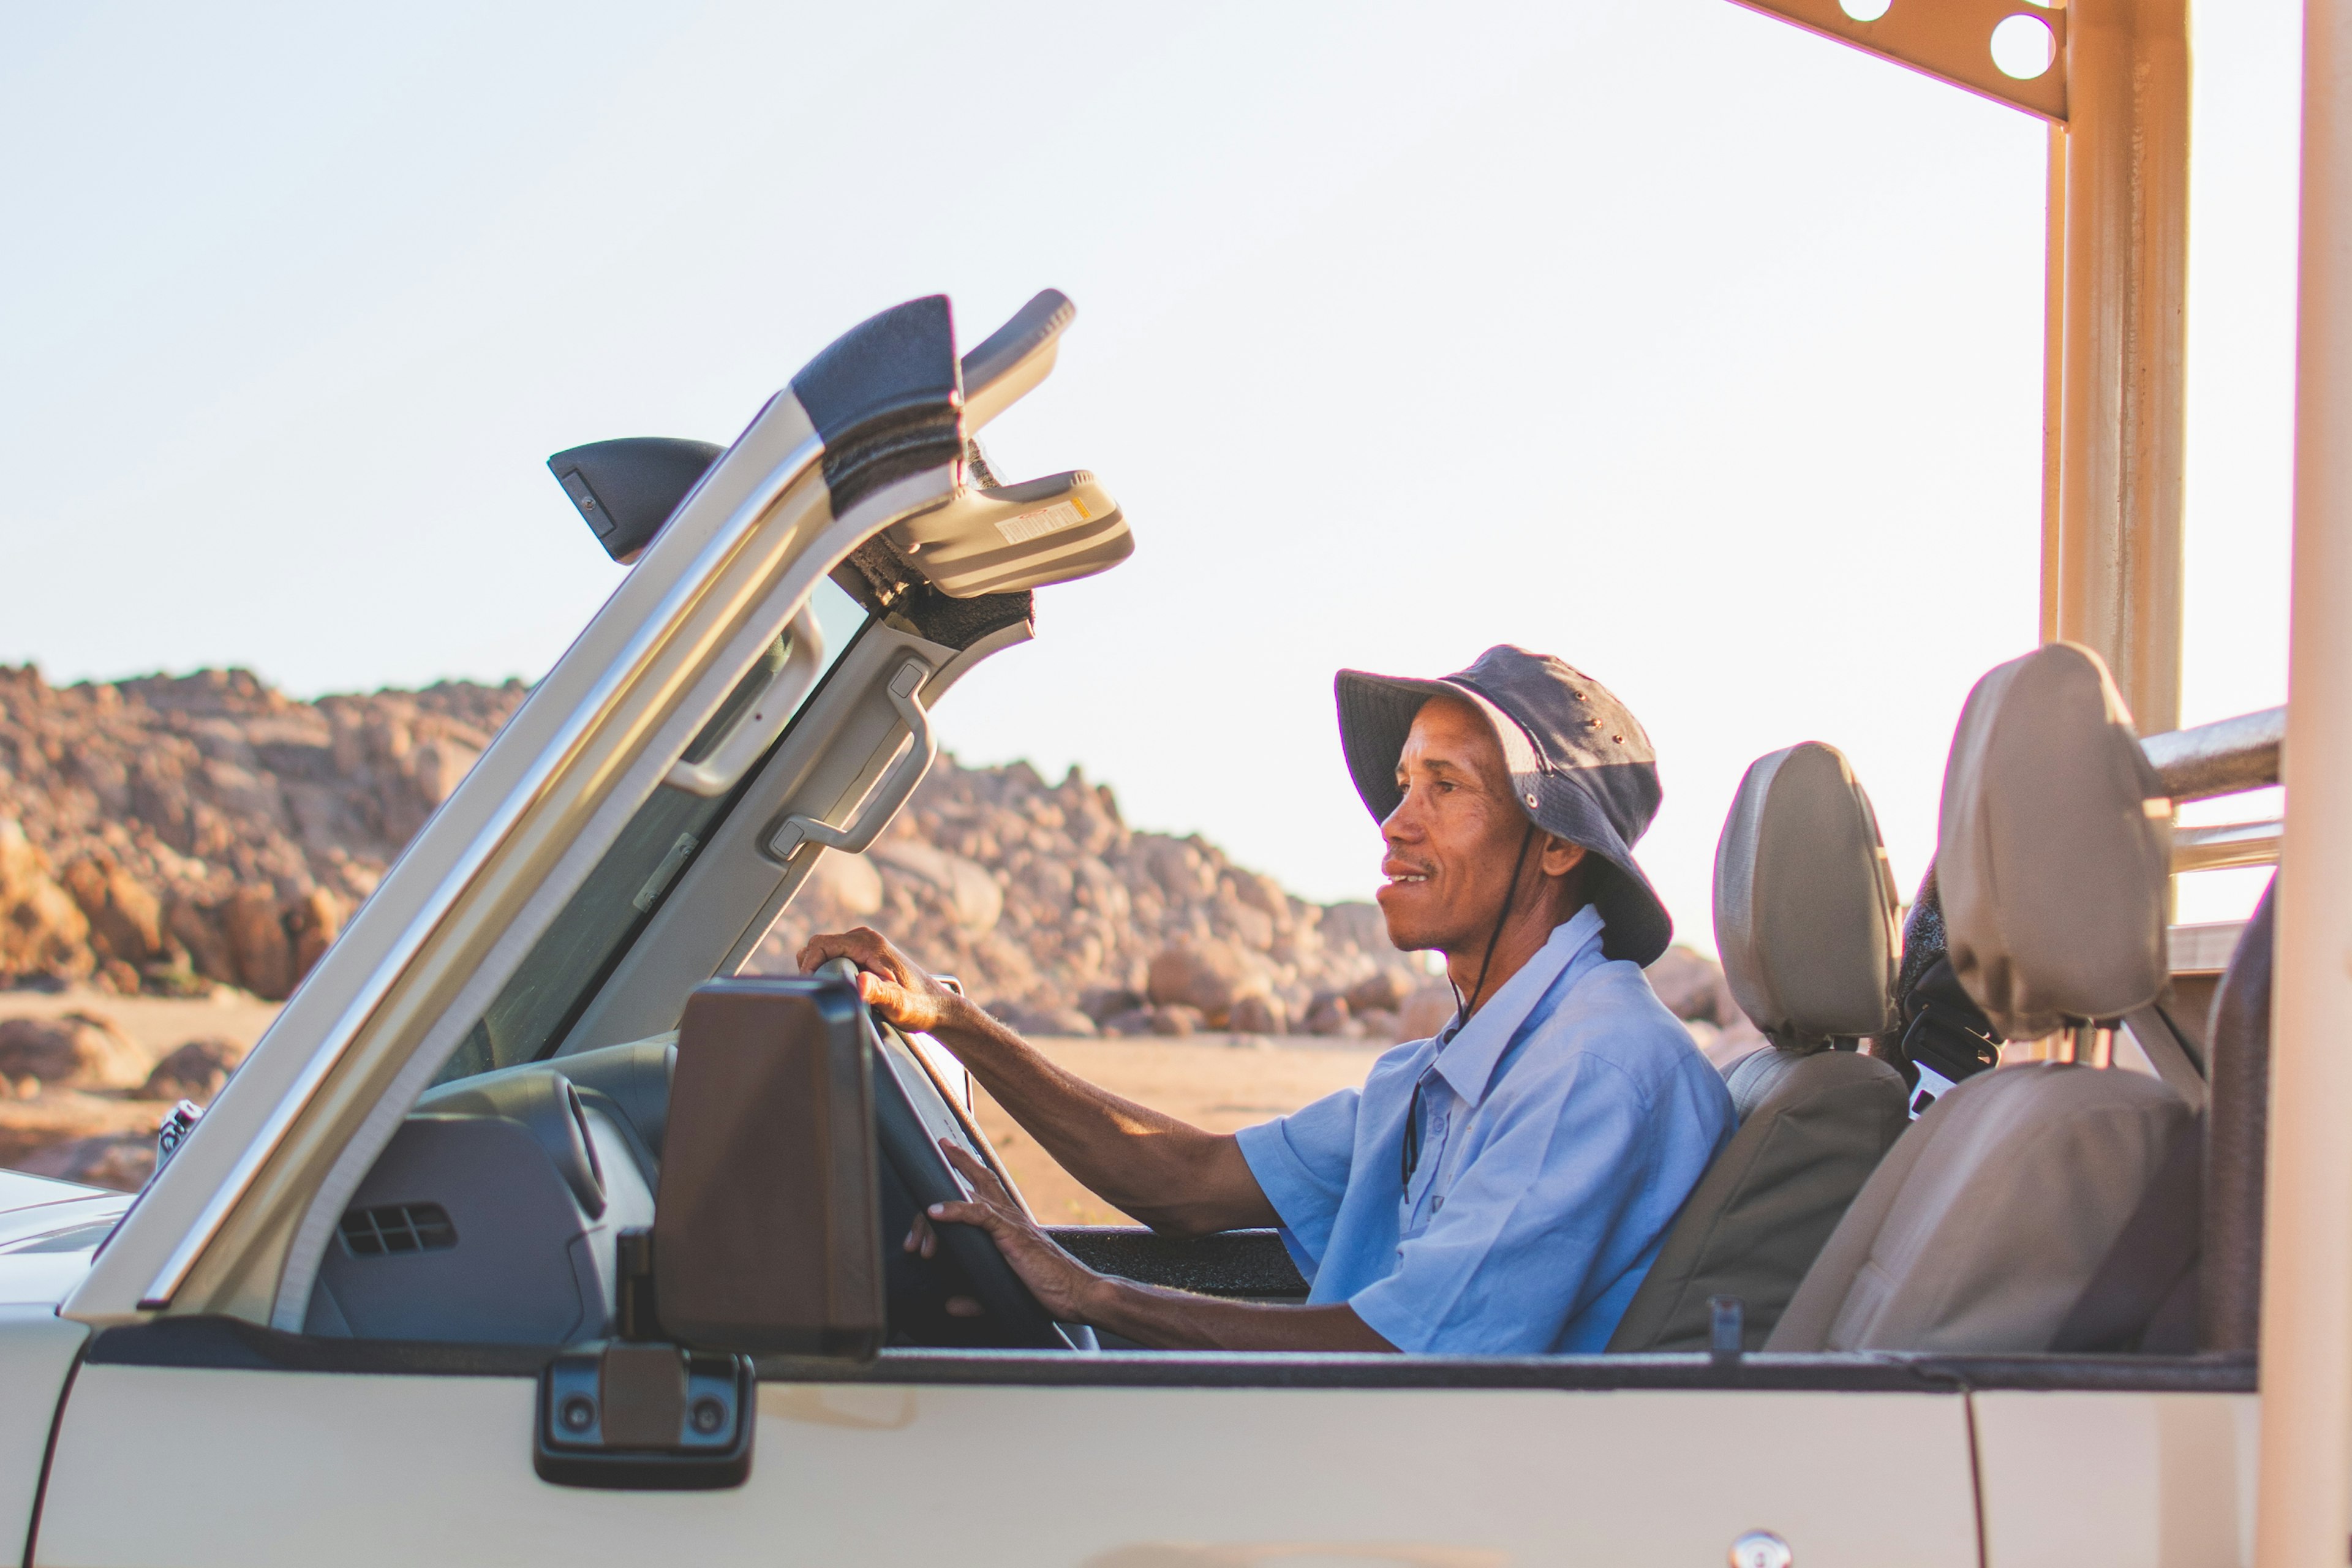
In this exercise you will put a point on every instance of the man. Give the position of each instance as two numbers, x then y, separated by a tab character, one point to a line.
1501	1189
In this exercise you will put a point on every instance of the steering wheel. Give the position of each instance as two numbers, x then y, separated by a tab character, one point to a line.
911	1114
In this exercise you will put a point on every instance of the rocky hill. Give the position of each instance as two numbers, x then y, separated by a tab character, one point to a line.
170	834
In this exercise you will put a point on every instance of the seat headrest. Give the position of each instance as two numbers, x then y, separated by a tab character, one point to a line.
1805	903
2053	847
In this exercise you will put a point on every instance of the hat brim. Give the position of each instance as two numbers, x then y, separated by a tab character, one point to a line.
1376	715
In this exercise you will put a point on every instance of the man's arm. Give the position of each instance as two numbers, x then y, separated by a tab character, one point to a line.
1168	1320
1170	1174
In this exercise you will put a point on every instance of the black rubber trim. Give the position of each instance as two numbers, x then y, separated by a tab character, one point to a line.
1251	1263
231	1344
887	398
880	579
1857	1374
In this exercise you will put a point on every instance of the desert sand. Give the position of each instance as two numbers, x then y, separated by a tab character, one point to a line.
1207	1079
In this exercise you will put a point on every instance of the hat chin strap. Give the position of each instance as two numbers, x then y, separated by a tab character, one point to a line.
1510	896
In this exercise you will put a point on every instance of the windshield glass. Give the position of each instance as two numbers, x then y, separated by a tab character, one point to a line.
618	900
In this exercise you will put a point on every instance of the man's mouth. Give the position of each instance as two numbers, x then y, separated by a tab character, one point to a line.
1398	878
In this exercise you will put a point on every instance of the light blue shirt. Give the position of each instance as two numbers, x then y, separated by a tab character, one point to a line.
1561	1129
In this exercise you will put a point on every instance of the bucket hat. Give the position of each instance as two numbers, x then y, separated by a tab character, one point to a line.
1580	768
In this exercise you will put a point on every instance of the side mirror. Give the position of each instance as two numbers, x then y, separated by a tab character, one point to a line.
767	1230
766	1237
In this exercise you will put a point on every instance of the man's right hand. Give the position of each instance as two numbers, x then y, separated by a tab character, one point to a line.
889	981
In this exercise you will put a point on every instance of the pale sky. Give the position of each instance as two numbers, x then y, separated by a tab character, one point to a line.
1696	350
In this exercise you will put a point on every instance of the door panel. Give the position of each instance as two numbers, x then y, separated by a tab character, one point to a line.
162	1465
2124	1479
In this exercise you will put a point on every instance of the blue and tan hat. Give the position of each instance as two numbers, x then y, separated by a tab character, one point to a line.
1581	766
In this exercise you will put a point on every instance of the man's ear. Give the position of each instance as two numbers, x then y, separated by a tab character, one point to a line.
1560	856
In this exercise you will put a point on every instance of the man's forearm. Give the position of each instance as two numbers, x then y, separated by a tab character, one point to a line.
1166	1172
1172	1320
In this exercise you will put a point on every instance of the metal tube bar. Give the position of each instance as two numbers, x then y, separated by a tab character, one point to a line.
2223	847
2054	382
2220	758
2126	238
2304	1498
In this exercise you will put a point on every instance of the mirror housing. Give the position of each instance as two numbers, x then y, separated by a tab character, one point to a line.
766	1227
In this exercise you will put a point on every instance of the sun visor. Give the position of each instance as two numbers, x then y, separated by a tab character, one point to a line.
997	541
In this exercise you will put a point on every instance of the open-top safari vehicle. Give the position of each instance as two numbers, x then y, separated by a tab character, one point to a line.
528	1233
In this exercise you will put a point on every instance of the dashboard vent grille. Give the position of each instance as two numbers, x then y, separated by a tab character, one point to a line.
397	1227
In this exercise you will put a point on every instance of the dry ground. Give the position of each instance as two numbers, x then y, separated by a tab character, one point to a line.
158	1023
1204	1079
1201	1079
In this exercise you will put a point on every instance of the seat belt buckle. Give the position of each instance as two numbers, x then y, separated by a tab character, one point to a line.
1932	1086
1943	1050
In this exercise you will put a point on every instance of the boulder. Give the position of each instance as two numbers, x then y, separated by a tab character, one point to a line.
42	930
1357	925
126	921
1259	1015
316	919
194	1072
1103	1003
200	934
77	1050
1176	1019
1429	1009
1379	1023
256	938
1330	1015
973	898
1384	992
1206	974
845	887
1042	1021
1692	987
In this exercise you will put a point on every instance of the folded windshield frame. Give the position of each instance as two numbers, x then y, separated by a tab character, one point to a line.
569	962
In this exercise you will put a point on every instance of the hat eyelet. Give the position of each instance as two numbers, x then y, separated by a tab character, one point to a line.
1531	800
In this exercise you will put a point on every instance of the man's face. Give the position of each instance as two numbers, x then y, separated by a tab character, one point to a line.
1453	839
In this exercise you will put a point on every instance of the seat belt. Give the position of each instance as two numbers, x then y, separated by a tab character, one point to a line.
2144	1296
1945	1037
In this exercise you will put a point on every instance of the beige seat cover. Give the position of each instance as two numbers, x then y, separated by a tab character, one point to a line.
1983	1226
1805	903
2053	847
1981	1229
1804	920
1757	1219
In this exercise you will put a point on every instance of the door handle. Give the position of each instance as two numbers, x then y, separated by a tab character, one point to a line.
887	795
763	720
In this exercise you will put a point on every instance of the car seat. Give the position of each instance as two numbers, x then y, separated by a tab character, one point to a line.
2187	1272
1981	1229
1804	920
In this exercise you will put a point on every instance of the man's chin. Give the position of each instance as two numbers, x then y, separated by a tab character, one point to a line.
1409	930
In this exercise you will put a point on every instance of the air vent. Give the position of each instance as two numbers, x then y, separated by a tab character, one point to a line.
397	1227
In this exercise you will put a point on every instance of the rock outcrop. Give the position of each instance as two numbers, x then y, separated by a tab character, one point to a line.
1063	919
167	834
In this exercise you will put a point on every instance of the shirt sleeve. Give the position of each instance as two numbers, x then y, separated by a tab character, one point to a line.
1301	1163
1522	1243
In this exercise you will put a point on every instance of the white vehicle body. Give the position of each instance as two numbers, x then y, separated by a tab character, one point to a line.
191	1392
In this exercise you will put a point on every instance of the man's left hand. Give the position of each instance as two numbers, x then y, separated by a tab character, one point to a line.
1063	1286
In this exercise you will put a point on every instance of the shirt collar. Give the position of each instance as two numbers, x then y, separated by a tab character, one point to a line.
1467	1059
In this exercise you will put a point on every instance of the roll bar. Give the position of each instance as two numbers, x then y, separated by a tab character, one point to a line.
2225	757
2220	758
